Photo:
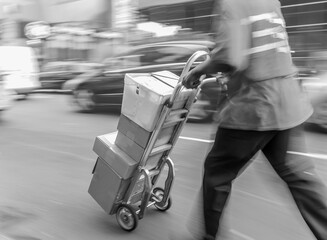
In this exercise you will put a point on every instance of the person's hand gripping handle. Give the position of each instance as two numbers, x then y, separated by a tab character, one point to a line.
192	79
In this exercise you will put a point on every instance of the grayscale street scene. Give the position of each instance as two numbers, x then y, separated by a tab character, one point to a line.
89	88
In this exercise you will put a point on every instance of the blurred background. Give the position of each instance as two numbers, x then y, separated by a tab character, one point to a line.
63	64
88	31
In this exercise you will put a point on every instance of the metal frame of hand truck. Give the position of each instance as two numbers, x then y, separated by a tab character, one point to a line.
134	203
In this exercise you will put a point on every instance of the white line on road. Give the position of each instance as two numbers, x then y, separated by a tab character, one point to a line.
56	202
76	156
48	235
3	237
313	155
241	235
258	197
196	139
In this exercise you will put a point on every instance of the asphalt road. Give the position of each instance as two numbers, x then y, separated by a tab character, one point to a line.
46	162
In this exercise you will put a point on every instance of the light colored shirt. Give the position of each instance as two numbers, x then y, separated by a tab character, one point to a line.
276	104
252	38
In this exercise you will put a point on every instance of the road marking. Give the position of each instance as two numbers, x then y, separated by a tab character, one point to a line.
258	197
48	235
313	155
239	234
56	202
309	173
196	139
73	155
3	237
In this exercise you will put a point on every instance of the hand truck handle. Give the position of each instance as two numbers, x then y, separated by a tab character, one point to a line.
186	69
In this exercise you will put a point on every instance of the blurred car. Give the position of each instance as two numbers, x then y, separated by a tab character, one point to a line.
103	89
316	87
54	74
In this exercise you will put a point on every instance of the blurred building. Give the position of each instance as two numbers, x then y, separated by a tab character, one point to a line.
307	29
195	15
92	30
78	28
306	23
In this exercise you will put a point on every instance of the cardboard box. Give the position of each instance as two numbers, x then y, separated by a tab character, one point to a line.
107	187
146	93
135	151
116	158
141	136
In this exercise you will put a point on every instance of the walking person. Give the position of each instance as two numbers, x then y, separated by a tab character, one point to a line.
265	112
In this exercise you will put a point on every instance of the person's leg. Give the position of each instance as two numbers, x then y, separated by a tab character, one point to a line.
297	171
231	151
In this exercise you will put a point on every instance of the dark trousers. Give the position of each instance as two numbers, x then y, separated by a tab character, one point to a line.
231	152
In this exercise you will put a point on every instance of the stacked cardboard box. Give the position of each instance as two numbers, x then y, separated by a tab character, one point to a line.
121	152
112	172
133	140
145	95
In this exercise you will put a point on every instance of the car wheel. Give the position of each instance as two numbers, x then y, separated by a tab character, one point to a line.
84	100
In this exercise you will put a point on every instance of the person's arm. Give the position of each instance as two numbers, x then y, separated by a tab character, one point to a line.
212	66
208	67
232	38
218	61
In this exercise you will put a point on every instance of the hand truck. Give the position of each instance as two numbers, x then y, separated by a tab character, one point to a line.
141	191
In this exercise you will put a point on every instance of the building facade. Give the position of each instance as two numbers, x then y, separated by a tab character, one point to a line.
84	29
307	30
306	23
92	30
195	15
76	26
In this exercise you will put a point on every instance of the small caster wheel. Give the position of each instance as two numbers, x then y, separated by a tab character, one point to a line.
158	195
127	217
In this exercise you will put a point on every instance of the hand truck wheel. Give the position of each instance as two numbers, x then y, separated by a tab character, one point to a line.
158	194
126	217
